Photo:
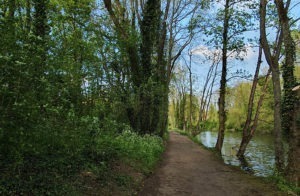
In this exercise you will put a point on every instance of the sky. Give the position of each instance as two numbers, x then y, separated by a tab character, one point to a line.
200	66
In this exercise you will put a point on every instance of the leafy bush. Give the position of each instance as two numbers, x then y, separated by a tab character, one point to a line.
139	151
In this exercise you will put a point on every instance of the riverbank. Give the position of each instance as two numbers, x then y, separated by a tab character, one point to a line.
188	169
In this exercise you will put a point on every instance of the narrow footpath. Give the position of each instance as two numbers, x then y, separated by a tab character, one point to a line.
188	169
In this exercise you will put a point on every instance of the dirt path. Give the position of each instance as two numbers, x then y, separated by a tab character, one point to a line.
188	169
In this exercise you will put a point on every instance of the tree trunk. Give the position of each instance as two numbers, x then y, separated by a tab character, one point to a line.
252	128
163	124
279	152
147	76
222	113
289	80
274	66
289	115
246	134
203	101
293	168
190	124
41	30
182	122
210	92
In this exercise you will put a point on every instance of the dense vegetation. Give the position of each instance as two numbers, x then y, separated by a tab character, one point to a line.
66	93
237	100
84	87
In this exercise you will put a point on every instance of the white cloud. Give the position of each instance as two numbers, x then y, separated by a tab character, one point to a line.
204	51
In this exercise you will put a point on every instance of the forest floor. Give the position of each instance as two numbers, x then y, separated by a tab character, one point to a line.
188	169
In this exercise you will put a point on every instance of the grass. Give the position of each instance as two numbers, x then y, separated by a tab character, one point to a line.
283	184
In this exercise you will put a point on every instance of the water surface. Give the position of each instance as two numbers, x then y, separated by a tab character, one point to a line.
259	154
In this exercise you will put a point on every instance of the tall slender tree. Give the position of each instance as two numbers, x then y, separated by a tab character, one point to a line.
225	34
251	124
273	61
221	101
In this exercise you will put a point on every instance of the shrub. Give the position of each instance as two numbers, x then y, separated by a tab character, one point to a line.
139	151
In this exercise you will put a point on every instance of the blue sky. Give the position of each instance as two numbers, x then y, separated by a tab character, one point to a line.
201	67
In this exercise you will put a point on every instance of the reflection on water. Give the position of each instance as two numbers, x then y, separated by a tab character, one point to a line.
259	154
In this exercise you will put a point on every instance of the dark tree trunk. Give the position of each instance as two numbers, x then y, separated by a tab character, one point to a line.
147	76
163	123
289	104
41	30
182	122
289	80
279	152
222	112
190	124
10	139
293	168
149	36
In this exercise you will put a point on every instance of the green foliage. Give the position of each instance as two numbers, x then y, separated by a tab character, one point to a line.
284	185
237	107
46	171
141	151
128	149
62	71
44	161
209	125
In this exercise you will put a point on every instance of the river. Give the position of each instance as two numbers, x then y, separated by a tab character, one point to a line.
259	154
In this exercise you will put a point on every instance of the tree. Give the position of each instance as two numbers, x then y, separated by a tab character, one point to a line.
64	83
151	57
289	82
225	34
234	23
273	61
180	88
250	125
221	102
213	58
180	34
294	152
190	115
145	115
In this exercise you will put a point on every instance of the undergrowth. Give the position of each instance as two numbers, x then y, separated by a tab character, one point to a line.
80	167
283	184
141	152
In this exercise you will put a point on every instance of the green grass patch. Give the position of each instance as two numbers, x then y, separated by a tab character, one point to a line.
283	184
